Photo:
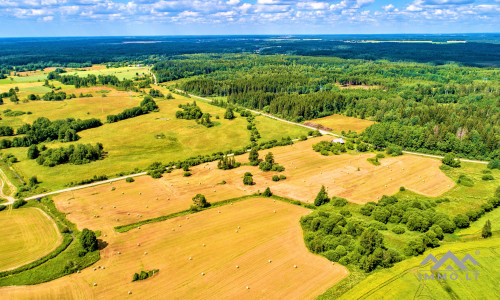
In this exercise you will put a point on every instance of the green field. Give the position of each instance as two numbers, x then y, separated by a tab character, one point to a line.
402	281
134	142
27	234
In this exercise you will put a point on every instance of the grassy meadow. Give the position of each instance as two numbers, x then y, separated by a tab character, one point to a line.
136	142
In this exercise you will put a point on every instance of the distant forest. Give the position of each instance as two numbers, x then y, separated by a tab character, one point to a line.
481	50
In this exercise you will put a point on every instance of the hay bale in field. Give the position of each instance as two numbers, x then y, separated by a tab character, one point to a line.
95	284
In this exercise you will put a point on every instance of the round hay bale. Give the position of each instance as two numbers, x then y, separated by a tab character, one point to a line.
129	292
95	269
123	193
204	245
173	229
95	284
237	267
248	287
138	244
236	231
202	274
117	220
295	266
140	193
190	258
139	227
119	252
114	206
103	267
274	211
145	253
269	261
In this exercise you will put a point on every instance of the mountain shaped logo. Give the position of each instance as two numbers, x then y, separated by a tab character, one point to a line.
438	264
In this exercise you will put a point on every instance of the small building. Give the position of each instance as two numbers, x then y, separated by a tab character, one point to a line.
338	141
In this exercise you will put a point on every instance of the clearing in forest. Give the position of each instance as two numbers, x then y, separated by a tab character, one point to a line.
339	123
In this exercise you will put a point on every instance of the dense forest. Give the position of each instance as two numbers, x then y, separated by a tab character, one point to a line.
420	107
76	52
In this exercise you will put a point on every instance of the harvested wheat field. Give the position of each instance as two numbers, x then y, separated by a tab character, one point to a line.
27	234
307	170
121	203
256	243
337	123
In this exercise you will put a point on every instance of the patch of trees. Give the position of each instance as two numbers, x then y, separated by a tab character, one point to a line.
91	80
269	164
420	216
146	106
347	241
193	112
228	163
77	155
89	180
43	130
14	113
327	148
144	275
156	93
6	131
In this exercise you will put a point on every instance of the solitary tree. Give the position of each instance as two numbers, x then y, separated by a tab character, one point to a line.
322	197
33	152
88	240
267	192
248	179
486	233
199	201
33	181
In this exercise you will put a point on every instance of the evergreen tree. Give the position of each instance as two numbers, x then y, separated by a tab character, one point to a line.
322	197
486	232
267	192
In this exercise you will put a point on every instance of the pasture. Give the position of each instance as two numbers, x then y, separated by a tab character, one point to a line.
27	234
339	123
253	243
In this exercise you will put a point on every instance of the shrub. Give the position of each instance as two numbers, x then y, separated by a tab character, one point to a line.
494	164
465	181
380	155
276	178
267	192
402	189
339	201
394	150
277	168
462	221
449	160
18	203
487	177
187	174
130	179
381	214
398	229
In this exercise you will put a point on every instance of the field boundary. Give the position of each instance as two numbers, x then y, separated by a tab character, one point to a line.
128	227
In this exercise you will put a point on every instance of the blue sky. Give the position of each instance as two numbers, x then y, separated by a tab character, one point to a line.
180	17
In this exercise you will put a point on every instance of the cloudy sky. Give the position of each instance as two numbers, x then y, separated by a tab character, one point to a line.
183	17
